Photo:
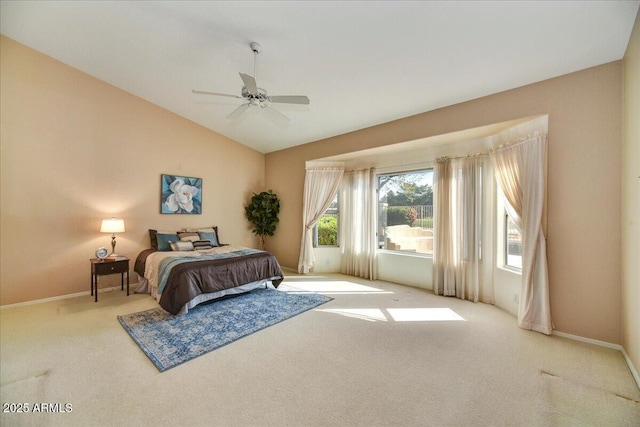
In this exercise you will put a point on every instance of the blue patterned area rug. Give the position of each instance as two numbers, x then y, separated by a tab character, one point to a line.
170	340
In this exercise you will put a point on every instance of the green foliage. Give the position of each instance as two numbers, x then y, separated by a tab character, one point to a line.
401	215
404	190
410	195
262	212
328	231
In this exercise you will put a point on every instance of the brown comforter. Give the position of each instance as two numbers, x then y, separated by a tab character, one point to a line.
190	279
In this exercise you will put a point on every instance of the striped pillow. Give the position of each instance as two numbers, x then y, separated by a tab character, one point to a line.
200	245
181	246
213	229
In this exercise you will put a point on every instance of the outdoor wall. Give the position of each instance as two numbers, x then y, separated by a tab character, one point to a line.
584	197
631	201
75	150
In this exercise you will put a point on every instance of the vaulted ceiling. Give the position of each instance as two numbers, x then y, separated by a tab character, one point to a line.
361	63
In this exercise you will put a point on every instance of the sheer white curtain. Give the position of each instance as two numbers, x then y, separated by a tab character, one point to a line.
520	172
320	187
358	224
458	267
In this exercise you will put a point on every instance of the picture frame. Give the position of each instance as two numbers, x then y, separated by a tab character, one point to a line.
180	195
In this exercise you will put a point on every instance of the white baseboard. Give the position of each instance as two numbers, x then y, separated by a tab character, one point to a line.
618	347
588	340
61	297
632	368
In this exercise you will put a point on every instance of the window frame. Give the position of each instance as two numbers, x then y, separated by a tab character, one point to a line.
505	260
337	216
425	168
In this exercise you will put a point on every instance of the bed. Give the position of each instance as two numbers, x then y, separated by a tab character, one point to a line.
182	272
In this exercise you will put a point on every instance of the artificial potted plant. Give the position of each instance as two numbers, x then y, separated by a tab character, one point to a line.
262	212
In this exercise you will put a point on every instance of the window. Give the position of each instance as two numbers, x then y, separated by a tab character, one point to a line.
405	212
325	232
513	244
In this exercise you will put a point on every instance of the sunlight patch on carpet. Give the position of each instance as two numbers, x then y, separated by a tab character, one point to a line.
335	287
424	315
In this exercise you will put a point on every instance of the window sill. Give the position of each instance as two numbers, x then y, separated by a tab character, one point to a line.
511	270
405	254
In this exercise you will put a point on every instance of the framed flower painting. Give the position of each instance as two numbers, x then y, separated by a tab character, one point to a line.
181	195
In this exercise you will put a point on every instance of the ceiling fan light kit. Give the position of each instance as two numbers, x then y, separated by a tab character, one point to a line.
255	96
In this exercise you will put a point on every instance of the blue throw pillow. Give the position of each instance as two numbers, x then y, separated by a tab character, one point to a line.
164	239
209	236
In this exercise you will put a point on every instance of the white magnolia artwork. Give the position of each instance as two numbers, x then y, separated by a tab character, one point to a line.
181	195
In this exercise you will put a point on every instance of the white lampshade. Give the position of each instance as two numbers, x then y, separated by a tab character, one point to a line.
112	225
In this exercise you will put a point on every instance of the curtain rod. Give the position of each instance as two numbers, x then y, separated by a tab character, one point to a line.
467	156
536	134
417	164
325	168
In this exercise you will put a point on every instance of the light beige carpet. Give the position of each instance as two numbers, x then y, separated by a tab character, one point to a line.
379	354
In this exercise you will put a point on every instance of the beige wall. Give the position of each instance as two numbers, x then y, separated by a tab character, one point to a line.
75	150
585	140
631	200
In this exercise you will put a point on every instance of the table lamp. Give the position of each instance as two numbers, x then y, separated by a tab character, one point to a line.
113	226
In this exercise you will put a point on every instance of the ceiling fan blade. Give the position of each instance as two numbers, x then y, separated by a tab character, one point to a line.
204	92
249	83
276	116
291	99
238	112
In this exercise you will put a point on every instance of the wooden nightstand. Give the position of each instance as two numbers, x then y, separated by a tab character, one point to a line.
102	267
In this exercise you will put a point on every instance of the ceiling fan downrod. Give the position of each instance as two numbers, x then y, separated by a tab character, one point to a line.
256	48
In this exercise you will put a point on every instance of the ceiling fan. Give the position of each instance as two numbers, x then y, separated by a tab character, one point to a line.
258	97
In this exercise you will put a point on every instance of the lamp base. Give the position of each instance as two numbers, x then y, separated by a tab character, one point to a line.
112	255
113	246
